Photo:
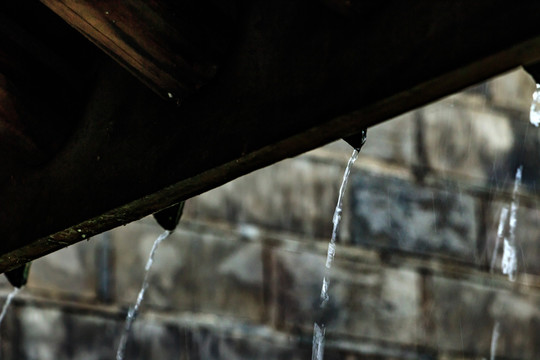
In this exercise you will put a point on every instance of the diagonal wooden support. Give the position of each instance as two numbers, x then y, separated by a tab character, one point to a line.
296	75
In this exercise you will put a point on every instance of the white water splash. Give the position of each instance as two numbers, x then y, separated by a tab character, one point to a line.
494	340
9	299
534	115
509	259
132	313
319	330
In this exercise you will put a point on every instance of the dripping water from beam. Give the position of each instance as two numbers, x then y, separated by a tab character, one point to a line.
133	311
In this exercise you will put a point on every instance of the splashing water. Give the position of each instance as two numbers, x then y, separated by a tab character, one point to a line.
494	340
319	329
509	259
534	115
132	313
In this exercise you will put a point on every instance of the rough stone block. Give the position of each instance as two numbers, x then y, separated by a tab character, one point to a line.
50	333
527	235
43	334
366	301
512	90
391	213
465	142
393	141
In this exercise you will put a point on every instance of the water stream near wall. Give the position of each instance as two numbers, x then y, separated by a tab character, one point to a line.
509	259
534	114
509	264
133	311
505	243
5	308
9	299
494	340
319	328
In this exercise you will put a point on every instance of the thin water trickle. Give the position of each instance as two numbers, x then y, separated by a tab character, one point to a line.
494	340
500	234
132	313
9	299
319	329
509	259
535	107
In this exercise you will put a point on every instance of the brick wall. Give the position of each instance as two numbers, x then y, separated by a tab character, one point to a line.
241	276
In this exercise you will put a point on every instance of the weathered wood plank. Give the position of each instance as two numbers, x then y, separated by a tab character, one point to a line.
175	47
300	75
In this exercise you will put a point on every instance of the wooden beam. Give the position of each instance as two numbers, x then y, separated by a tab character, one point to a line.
298	76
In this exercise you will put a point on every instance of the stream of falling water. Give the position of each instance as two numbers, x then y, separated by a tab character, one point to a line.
494	341
509	259
132	313
9	299
319	328
534	115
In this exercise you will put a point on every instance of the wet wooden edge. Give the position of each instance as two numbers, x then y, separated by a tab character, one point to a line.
525	53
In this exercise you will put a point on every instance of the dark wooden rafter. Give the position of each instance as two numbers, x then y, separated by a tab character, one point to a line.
291	76
174	47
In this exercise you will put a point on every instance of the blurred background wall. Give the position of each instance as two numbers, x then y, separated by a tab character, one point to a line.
241	276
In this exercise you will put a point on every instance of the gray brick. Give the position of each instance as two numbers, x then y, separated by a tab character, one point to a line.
466	142
70	271
391	213
393	141
55	333
43	334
